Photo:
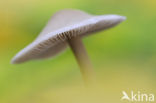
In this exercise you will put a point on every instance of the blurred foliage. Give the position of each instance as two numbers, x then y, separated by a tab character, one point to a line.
124	57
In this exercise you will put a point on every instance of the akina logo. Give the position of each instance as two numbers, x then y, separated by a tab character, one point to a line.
137	96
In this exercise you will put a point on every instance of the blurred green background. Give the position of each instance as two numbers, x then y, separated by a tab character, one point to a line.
124	57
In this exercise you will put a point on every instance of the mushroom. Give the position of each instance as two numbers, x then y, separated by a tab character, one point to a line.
68	27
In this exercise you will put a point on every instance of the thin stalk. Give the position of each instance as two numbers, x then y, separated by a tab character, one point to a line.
82	58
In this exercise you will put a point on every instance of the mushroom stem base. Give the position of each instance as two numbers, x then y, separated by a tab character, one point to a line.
82	58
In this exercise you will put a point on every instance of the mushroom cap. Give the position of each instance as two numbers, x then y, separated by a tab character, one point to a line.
63	25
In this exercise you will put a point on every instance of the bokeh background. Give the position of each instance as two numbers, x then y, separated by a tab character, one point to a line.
124	57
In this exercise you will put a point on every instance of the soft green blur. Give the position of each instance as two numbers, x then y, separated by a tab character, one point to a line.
124	57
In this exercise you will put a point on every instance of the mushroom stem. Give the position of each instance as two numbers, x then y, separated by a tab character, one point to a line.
82	58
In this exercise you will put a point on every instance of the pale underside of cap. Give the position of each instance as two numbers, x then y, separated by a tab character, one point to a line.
64	25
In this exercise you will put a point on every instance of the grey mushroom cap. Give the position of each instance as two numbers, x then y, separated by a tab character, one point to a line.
63	25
